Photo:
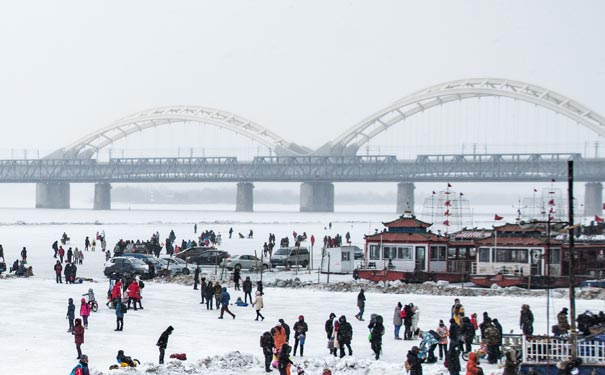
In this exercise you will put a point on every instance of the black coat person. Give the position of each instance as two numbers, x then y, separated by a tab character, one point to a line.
266	342
55	247
526	321
415	363
247	286
286	329
344	335
24	254
163	342
376	333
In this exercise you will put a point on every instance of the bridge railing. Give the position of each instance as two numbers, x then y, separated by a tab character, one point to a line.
542	349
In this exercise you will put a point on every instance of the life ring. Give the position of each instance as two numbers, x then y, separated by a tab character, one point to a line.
355	274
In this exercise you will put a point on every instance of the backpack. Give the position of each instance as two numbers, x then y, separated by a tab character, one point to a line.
402	314
141	284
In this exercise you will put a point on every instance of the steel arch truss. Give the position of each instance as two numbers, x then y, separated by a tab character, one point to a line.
349	142
87	146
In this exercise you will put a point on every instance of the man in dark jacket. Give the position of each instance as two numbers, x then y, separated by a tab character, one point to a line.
266	342
414	362
407	321
467	333
300	334
453	360
492	338
163	342
247	286
361	304
526	321
376	333
344	336
196	277
455	336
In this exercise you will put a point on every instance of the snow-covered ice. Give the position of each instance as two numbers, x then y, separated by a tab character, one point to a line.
32	311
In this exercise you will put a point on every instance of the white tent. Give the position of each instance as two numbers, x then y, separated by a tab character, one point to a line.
338	259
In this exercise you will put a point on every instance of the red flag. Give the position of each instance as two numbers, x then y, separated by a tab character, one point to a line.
449	185
598	219
447	213
551	202
448	192
448	203
497	217
447	222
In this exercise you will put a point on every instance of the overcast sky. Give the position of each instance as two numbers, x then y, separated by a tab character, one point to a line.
307	70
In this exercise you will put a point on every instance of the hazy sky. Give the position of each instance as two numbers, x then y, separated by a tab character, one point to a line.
307	70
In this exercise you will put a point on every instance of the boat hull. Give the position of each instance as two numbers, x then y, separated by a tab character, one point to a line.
535	282
407	276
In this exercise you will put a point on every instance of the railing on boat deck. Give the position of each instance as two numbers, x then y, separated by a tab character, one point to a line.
542	349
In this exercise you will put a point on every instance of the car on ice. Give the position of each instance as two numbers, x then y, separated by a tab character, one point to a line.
209	258
175	265
290	256
126	265
192	252
245	262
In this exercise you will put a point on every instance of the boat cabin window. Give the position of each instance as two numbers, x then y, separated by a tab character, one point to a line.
511	255
438	253
374	252
554	256
484	254
404	252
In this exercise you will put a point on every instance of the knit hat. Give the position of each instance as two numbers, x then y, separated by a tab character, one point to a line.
332	315
440	322
564	311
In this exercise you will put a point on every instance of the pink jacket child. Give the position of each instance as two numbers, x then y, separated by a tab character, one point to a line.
84	311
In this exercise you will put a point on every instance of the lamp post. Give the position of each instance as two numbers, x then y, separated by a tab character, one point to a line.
572	262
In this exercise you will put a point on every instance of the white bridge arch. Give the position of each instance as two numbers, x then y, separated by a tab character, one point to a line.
88	145
351	140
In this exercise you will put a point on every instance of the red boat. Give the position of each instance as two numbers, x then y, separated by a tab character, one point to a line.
482	280
408	277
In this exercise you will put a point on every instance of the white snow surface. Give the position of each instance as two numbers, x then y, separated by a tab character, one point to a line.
32	311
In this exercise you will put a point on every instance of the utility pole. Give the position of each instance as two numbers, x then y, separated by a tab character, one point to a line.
572	263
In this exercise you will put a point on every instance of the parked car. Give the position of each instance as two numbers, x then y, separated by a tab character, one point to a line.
209	257
192	251
150	260
290	256
175	265
358	253
124	265
246	262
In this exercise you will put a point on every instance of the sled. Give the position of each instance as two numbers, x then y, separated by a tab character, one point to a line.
124	364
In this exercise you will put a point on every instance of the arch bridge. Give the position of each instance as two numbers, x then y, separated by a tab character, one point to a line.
334	161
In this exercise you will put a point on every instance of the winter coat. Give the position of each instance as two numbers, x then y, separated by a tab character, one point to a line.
510	364
163	340
562	322
455	336
258	302
329	327
247	285
266	342
361	300
116	292
218	290
71	310
345	331
300	328
407	320
279	337
283	363
209	291
453	360
134	291
81	369
225	297
526	321
472	366
458	312
84	308
415	316
444	333
397	316
415	363
78	333
467	331
377	331
492	336
474	322
58	268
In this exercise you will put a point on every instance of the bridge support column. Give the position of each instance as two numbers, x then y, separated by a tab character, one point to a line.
317	197
593	199
52	195
244	201
102	196
405	197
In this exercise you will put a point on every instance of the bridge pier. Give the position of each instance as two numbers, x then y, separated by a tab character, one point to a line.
405	197
52	195
102	196
244	201
317	197
593	199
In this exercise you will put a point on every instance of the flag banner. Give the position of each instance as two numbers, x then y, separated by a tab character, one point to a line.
598	219
551	202
498	217
446	222
448	202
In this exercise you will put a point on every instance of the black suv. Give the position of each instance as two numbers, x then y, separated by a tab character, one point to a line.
209	257
192	252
